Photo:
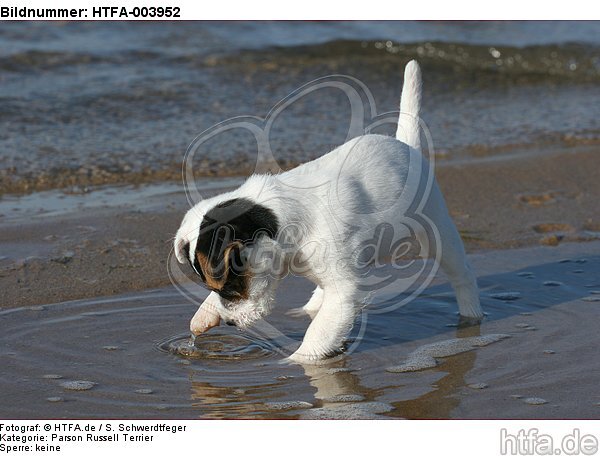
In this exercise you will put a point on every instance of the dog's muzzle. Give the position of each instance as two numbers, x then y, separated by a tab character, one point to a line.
206	317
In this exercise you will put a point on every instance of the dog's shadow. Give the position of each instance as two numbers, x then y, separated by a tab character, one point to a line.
434	313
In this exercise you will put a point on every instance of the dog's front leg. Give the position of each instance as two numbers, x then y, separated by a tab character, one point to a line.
325	335
311	308
207	316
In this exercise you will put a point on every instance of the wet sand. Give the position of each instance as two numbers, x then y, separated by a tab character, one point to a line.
57	247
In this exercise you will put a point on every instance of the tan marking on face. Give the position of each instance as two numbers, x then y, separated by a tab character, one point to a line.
209	273
216	283
247	277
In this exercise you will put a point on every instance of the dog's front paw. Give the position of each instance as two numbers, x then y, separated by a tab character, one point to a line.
300	357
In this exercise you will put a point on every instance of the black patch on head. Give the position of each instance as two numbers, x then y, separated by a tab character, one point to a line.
225	230
197	268
186	250
193	263
244	216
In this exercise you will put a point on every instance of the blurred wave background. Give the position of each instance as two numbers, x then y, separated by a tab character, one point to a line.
114	102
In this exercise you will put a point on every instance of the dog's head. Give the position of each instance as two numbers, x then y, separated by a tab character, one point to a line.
230	246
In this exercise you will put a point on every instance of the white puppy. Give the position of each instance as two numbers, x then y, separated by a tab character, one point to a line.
314	220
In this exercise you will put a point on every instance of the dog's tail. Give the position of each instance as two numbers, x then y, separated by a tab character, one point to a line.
410	105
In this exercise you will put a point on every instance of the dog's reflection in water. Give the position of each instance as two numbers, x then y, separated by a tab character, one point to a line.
336	387
444	398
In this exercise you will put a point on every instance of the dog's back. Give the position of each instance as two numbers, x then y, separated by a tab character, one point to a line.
368	174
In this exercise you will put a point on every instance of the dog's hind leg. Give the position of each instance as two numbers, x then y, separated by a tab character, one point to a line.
454	263
453	259
311	307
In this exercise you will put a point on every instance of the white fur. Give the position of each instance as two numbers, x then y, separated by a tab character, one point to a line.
410	106
327	208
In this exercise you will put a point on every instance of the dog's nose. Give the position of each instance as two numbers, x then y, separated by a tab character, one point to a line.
230	323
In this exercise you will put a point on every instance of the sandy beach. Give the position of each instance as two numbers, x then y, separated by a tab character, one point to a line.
122	244
119	247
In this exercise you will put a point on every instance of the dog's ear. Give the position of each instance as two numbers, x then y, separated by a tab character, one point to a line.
182	250
237	277
234	258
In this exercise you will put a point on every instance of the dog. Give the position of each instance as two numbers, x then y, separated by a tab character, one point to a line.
315	218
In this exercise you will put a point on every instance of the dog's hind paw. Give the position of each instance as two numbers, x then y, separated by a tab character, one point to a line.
465	322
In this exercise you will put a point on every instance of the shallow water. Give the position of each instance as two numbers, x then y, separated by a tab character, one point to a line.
51	203
135	351
225	347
